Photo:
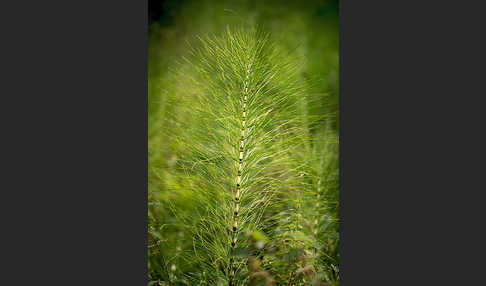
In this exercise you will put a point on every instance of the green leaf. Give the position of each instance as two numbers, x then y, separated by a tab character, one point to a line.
257	235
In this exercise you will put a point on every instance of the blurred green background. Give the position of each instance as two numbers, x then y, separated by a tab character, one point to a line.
309	28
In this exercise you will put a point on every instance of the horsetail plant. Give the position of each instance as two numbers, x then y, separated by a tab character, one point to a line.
310	223
240	108
240	141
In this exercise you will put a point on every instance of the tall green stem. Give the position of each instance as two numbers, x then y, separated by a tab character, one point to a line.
241	152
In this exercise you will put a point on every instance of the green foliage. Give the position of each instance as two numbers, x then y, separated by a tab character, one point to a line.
243	149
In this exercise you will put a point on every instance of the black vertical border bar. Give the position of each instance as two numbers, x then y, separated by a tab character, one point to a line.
74	177
412	91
